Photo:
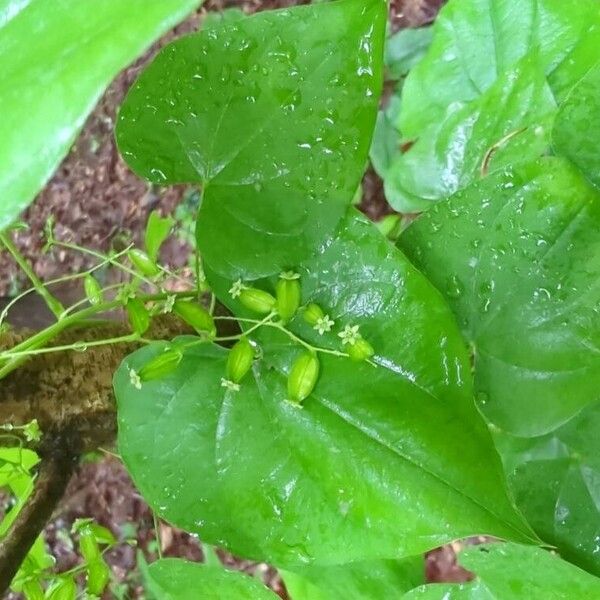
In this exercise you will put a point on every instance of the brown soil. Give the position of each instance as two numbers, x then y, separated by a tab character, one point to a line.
97	202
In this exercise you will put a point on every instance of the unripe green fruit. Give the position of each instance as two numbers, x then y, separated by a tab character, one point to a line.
143	263
161	365
139	317
288	298
196	316
93	291
313	314
360	350
303	377
240	360
258	301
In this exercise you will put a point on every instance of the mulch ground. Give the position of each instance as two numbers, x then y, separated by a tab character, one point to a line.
96	202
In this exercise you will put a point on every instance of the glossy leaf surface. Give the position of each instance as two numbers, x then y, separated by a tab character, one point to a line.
273	116
374	473
513	572
577	130
518	258
57	58
174	579
485	85
510	122
370	580
555	479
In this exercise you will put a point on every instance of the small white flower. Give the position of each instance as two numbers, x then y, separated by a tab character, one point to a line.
350	335
229	385
169	304
324	324
136	382
289	275
236	289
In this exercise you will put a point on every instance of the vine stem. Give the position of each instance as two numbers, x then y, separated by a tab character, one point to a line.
53	304
63	279
45	336
109	259
300	341
79	346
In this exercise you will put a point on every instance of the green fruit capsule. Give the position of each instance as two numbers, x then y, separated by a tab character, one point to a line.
313	314
360	350
139	317
303	377
258	301
196	316
93	291
288	298
240	360
161	366
143	263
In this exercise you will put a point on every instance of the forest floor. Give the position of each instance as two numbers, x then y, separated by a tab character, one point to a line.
97	202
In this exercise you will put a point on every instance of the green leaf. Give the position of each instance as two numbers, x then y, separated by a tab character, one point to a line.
517	256
57	59
375	473
386	138
510	122
405	49
555	482
577	130
485	77
157	231
358	581
273	116
513	572
174	579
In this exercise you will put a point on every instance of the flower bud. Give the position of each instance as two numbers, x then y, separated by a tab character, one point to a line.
143	263
258	301
93	291
240	360
313	313
161	365
196	316
288	298
303	377
360	350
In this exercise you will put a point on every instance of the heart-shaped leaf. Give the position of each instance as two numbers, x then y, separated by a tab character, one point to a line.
556	483
513	572
57	58
481	95
577	130
517	255
173	579
370	467
273	116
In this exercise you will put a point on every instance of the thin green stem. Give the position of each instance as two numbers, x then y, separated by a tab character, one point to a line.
300	341
51	282
45	336
77	347
53	304
257	325
110	259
